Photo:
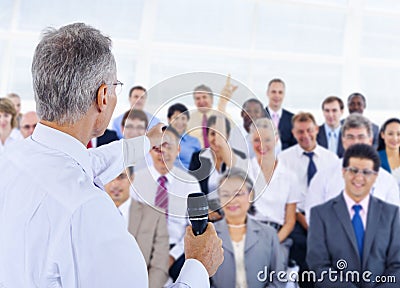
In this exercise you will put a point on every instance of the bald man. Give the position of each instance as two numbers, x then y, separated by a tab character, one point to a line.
28	123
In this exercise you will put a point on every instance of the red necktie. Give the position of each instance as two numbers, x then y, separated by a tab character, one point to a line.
162	194
89	145
204	127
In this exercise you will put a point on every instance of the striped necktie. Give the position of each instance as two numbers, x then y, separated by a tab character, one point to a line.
162	194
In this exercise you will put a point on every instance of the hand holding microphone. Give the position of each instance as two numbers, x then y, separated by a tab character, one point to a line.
201	240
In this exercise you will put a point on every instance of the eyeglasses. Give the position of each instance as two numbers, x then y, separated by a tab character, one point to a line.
27	127
360	137
364	172
136	128
118	87
227	195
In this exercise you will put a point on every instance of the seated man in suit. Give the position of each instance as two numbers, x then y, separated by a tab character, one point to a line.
146	224
165	186
355	228
329	135
281	117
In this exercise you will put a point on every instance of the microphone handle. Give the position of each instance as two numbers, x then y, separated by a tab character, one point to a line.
199	225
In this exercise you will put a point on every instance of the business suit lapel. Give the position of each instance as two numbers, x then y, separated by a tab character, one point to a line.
321	137
135	218
374	213
223	233
251	234
342	214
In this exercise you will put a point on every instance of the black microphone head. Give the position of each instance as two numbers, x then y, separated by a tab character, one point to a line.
197	205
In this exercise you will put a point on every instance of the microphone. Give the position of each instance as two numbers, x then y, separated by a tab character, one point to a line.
197	207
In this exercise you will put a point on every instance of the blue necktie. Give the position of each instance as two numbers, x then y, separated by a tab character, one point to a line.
358	229
312	169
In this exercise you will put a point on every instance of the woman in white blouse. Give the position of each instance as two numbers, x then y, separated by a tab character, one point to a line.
8	124
275	186
249	245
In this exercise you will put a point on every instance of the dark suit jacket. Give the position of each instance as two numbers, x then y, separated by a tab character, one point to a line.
322	140
149	228
285	129
261	251
107	137
331	238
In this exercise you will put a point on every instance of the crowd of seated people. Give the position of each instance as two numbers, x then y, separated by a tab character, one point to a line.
267	181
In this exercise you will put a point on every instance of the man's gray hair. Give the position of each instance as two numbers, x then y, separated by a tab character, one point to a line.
68	67
356	120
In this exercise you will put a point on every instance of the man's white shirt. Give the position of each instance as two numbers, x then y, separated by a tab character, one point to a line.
294	159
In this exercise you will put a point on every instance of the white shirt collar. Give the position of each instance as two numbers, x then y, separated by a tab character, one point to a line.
124	207
156	174
66	144
300	150
279	112
329	129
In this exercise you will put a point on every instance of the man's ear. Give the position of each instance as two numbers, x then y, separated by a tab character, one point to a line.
101	99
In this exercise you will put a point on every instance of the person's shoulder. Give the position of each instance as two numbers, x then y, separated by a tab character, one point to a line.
266	230
386	206
289	152
287	113
183	176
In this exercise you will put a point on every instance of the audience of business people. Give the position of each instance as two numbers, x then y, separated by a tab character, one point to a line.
355	232
328	183
262	179
249	245
389	147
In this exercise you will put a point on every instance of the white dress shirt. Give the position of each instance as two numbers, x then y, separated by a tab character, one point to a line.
58	228
271	199
14	136
328	183
180	184
294	159
240	140
124	208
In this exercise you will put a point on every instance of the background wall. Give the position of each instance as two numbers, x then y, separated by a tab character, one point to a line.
319	48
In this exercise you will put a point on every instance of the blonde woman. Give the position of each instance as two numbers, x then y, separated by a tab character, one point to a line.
275	185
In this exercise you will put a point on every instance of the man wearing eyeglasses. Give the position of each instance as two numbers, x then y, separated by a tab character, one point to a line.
355	233
328	183
28	123
59	228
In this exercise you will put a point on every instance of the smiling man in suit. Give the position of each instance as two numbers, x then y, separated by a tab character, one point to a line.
146	224
281	117
355	227
329	135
